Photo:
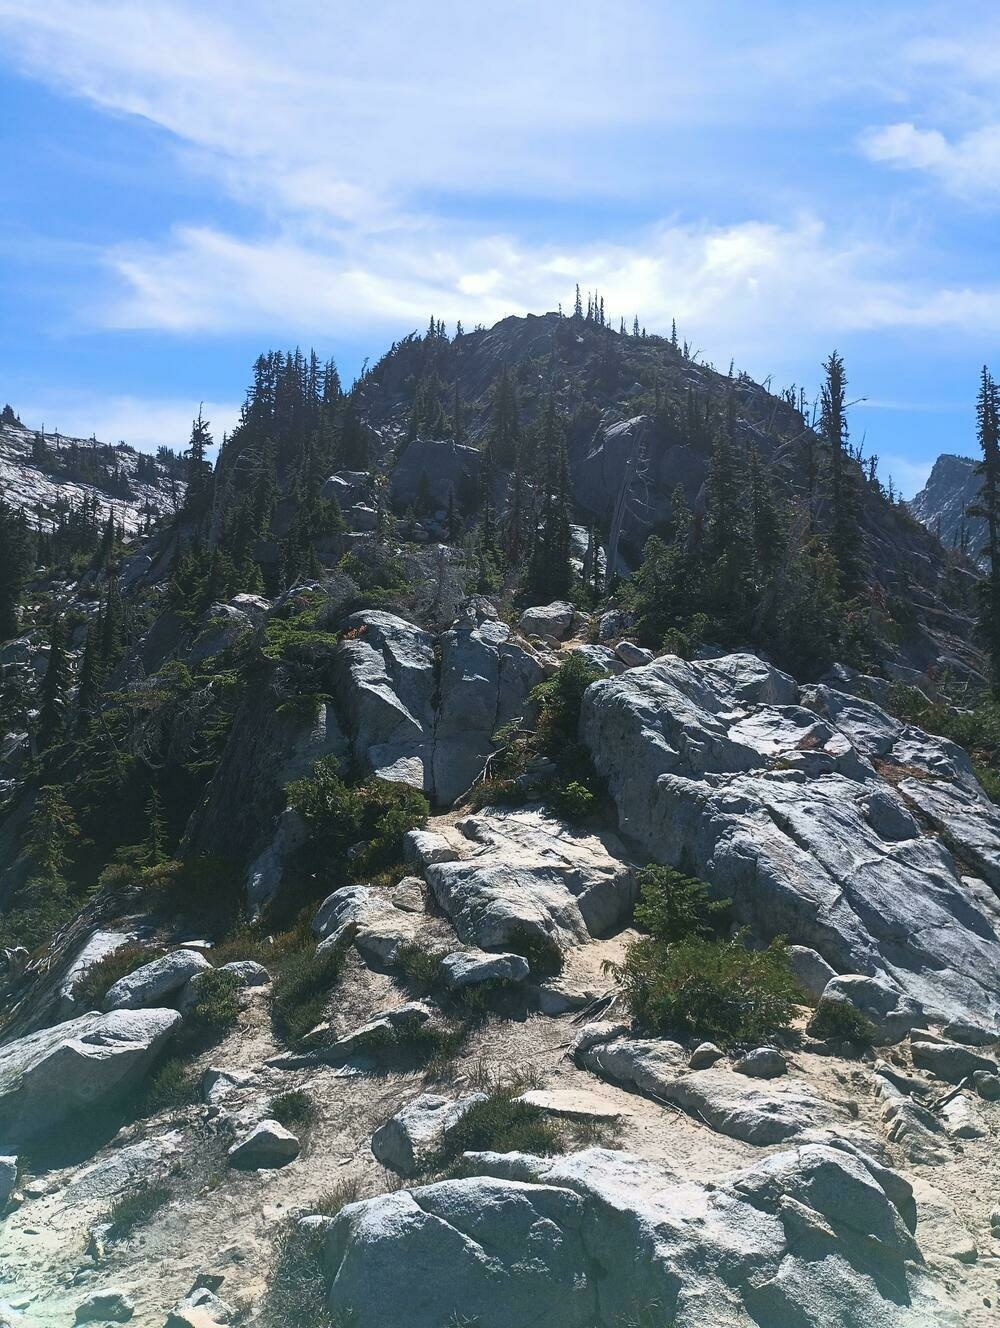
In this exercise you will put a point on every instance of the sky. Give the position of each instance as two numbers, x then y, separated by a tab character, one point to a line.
187	184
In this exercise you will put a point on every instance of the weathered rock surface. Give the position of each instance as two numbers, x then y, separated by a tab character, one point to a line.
470	968
407	1140
100	944
948	1060
105	1307
589	1240
772	794
811	970
154	983
553	620
761	1063
891	1012
524	872
423	720
268	1144
79	1066
722	1099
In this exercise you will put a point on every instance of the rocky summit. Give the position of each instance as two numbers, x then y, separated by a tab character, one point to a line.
513	842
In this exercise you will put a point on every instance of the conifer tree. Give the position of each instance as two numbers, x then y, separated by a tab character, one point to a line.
89	681
198	494
845	532
549	571
987	506
14	565
504	438
52	695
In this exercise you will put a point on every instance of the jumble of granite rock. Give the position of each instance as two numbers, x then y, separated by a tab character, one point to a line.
821	816
598	1238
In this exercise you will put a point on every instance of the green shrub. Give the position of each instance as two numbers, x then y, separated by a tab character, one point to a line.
501	1124
302	988
419	965
172	1086
544	957
369	819
673	906
293	1108
135	1207
90	990
841	1020
710	989
216	1006
573	801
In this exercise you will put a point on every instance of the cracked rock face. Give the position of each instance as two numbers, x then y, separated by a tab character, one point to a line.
594	1238
522	871
816	812
423	710
83	1065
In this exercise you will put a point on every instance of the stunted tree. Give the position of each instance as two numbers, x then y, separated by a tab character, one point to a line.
987	506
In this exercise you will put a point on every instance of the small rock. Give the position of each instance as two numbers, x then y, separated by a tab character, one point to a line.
268	1144
247	972
961	1119
414	1133
551	620
218	1084
762	1063
201	1308
409	895
207	1282
149	985
592	1035
572	1104
8	1177
105	1307
426	847
810	969
987	1085
969	1034
995	1219
704	1055
469	968
633	656
949	1061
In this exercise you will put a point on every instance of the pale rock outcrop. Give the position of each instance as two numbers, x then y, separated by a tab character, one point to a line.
633	656
761	1063
423	710
79	1066
522	871
722	1099
268	1144
409	1138
470	968
8	1177
154	983
244	972
99	945
771	792
596	1238
948	1060
549	620
379	927
890	1010
811	970
105	1307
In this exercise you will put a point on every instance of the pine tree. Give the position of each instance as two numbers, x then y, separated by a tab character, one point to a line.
14	565
89	681
549	570
987	506
845	531
52	695
504	438
578	303
198	494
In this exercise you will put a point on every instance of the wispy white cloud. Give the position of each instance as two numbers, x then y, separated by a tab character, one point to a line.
968	165
145	423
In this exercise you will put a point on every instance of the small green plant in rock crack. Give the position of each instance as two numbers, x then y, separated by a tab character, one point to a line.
135	1207
841	1020
293	1109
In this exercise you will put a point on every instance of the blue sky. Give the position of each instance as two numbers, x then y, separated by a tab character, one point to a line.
187	184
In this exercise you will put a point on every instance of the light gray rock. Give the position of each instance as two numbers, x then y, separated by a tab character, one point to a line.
762	1063
99	945
123	1168
633	656
200	1308
268	1144
704	1056
469	968
600	657
811	970
245	972
350	905
948	1060
720	1098
105	1307
378	941
153	984
409	895
8	1177
890	1010
528	873
971	1035
423	711
724	766
218	1084
551	620
79	1066
407	1140
425	847
987	1085
265	872
592	1239
593	1034
962	1120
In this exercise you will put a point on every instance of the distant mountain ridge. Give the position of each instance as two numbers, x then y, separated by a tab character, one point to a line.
43	472
942	503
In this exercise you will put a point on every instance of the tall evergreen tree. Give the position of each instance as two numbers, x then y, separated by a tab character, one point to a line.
504	438
845	529
14	566
52	695
987	506
549	570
